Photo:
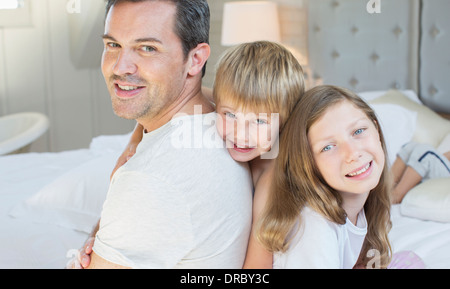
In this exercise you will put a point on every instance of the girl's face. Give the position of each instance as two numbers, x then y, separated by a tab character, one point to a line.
247	134
347	149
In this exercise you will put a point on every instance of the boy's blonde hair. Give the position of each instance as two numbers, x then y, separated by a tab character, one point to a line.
298	182
259	75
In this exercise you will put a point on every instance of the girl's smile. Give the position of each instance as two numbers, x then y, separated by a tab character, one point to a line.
347	149
361	173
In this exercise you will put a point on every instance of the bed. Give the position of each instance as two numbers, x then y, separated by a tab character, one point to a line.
49	202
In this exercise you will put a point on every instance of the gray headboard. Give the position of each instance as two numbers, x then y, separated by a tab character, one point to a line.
406	46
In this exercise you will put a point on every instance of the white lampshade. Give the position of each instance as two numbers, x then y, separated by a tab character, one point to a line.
247	21
10	4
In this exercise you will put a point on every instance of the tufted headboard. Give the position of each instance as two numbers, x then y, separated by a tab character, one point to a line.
405	46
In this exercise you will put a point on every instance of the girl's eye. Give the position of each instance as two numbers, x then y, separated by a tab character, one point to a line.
327	148
359	131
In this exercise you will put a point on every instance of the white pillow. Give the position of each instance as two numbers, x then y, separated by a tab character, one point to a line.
398	125
429	200
445	145
109	143
368	96
75	199
431	128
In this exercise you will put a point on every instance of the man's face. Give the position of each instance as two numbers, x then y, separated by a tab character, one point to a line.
143	62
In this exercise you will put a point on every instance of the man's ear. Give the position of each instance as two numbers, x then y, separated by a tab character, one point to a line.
198	57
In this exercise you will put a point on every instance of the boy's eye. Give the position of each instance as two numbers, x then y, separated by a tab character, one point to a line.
230	115
261	121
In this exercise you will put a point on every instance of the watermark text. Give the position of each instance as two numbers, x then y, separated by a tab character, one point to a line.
73	6
373	6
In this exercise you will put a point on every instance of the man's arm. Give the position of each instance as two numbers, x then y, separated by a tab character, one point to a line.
86	251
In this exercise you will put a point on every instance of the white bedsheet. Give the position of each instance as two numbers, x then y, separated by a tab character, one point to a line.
429	240
24	244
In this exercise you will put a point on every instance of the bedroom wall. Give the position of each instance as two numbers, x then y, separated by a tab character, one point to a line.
40	71
293	26
37	74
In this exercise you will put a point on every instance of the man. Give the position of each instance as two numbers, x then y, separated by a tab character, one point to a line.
168	206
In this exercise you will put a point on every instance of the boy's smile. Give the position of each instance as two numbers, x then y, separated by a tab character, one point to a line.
247	134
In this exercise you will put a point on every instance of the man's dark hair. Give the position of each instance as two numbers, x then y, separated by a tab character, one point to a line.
191	25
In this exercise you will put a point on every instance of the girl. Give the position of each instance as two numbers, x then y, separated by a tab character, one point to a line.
329	205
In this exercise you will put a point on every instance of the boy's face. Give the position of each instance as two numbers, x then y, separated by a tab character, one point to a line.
248	134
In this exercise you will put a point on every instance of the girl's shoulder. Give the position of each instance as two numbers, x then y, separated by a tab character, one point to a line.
317	222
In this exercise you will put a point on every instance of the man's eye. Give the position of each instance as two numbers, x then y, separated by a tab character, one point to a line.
112	44
148	48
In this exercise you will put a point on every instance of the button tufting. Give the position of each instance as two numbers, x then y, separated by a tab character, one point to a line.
396	85
353	82
397	31
354	30
335	4
434	31
433	90
374	57
335	55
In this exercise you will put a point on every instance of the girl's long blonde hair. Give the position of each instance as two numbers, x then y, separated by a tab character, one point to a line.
298	182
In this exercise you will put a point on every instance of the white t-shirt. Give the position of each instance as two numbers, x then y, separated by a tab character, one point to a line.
180	202
321	243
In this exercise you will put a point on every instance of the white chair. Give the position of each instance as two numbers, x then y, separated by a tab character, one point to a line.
18	131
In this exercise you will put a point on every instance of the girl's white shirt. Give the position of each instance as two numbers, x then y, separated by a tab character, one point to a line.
320	243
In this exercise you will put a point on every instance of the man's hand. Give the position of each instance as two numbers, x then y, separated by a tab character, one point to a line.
83	258
85	255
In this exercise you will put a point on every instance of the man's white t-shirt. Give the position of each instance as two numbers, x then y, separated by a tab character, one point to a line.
180	202
320	243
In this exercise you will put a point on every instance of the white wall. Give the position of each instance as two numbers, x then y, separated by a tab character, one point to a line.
37	72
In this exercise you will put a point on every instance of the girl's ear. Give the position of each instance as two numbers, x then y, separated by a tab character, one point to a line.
198	57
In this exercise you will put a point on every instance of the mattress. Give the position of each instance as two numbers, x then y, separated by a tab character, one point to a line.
45	237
